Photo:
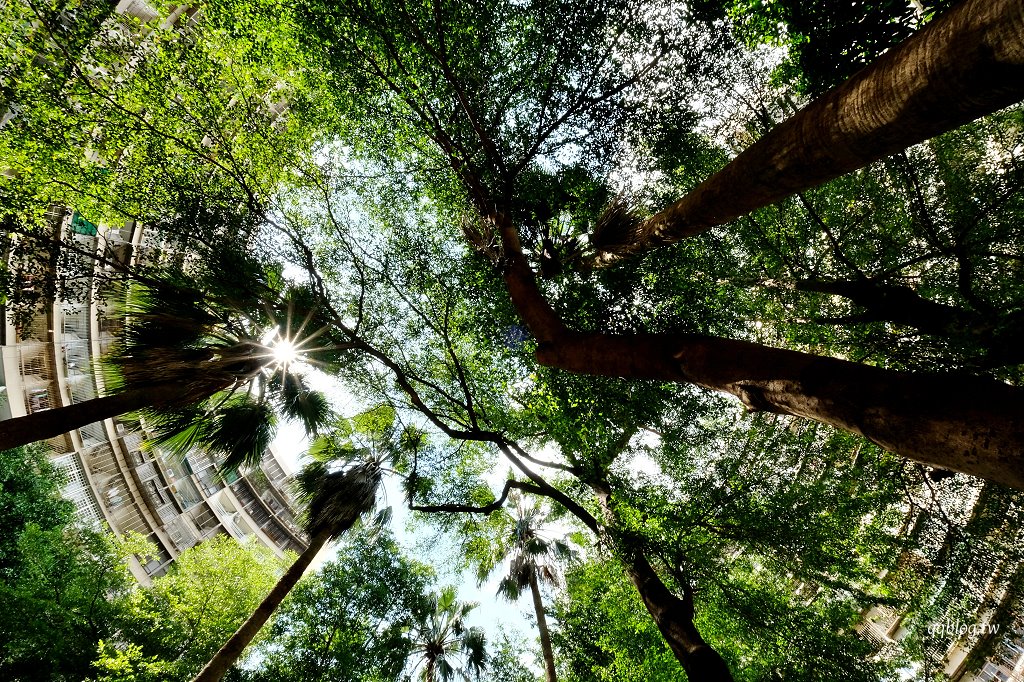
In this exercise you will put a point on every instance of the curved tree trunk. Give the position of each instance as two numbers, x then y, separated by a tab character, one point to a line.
674	618
965	64
672	615
51	423
233	648
953	421
542	625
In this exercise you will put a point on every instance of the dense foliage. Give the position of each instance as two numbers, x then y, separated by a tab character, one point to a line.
443	182
826	42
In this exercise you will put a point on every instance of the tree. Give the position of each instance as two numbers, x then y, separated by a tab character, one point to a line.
530	555
195	358
30	497
509	97
58	582
947	420
934	290
435	351
133	122
826	43
605	632
350	620
63	601
505	661
443	644
877	112
336	497
169	630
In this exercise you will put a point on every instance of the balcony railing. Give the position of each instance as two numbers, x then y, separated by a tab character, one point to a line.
77	488
36	365
255	507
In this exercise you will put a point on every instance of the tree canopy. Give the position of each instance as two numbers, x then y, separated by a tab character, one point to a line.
509	220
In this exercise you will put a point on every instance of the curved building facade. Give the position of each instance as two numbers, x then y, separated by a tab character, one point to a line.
112	480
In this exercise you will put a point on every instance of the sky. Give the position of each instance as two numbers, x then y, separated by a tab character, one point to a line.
493	612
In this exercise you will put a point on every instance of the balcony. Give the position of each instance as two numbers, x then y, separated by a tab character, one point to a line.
137	8
35	365
112	490
204	469
232	519
77	489
262	515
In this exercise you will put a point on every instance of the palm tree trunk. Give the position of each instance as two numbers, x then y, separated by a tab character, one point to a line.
51	423
542	625
232	649
965	64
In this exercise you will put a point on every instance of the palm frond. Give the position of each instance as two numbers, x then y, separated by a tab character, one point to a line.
333	447
242	429
444	668
336	498
617	231
178	431
474	647
509	589
301	403
535	546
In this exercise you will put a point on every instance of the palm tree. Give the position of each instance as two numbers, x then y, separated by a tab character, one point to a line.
531	557
336	495
443	641
202	358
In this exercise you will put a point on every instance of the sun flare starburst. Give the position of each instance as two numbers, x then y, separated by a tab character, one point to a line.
285	352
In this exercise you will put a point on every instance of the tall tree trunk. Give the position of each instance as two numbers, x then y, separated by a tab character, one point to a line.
232	649
542	625
952	421
50	423
963	65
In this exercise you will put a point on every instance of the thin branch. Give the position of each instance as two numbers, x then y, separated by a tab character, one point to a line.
510	484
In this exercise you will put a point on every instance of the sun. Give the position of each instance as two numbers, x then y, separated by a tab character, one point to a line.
284	352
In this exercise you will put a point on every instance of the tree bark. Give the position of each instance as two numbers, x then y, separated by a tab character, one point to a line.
952	421
903	306
674	618
1000	340
672	615
965	64
54	422
542	625
233	648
